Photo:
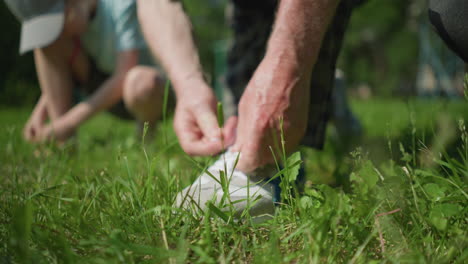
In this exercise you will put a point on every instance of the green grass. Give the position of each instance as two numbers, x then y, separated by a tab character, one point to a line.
399	196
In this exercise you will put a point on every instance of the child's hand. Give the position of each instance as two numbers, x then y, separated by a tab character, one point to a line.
36	121
32	129
58	131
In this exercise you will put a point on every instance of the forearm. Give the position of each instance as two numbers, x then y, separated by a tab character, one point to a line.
108	94
105	97
54	79
299	29
279	89
40	110
167	30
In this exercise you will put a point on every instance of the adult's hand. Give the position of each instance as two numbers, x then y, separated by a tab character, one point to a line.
168	32
279	89
271	95
196	124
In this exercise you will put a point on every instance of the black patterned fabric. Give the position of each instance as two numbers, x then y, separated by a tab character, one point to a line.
252	22
450	21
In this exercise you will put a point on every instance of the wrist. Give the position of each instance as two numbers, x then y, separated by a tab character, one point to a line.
289	60
286	70
65	123
75	116
184	76
191	88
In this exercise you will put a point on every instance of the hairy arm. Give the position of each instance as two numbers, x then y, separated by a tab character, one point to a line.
280	86
298	32
168	32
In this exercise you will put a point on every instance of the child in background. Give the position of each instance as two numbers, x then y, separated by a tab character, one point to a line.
88	47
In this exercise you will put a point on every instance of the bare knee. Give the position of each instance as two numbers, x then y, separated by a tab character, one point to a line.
142	86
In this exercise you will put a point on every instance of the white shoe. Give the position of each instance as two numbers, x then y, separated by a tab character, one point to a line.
243	191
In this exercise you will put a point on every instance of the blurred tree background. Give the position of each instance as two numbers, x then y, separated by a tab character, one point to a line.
18	82
380	54
381	46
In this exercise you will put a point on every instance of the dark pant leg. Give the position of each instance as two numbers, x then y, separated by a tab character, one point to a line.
252	22
323	76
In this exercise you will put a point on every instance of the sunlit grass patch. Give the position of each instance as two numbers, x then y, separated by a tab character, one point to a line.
401	196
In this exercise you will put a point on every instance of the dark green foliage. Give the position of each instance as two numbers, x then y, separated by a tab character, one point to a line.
17	74
209	27
381	46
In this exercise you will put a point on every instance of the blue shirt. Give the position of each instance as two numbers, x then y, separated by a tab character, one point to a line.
114	28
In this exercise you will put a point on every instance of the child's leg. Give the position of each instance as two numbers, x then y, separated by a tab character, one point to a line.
143	93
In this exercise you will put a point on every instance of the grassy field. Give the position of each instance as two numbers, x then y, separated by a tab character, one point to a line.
399	195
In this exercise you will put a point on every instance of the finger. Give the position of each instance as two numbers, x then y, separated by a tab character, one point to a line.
37	137
33	132
251	157
44	134
207	121
193	143
202	148
191	138
28	136
243	134
229	131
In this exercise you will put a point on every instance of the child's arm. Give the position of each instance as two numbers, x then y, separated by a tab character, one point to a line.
107	95
55	80
36	121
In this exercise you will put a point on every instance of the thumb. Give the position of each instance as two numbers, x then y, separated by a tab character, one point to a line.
208	123
229	130
251	158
